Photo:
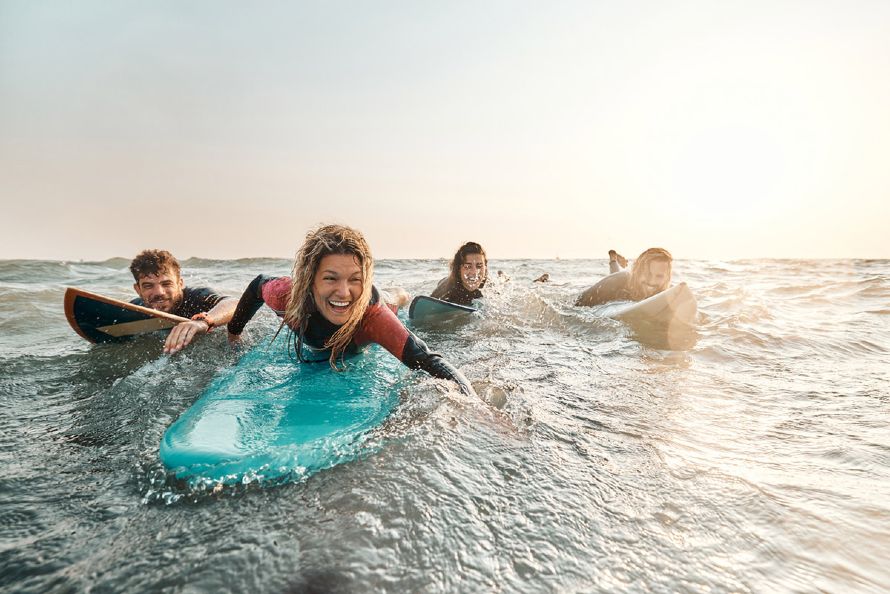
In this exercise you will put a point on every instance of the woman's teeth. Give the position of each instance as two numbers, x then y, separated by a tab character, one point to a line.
339	303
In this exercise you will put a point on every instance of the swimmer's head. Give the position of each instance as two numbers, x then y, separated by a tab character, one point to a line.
332	275
470	266
651	273
158	280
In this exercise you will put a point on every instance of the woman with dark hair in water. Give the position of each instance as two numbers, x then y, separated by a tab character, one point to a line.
469	272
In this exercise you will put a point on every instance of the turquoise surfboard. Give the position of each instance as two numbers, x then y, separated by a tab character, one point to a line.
271	417
103	319
430	309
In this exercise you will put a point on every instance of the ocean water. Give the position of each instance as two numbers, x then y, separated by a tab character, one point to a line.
753	456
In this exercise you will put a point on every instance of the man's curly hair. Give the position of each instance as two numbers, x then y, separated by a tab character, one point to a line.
149	262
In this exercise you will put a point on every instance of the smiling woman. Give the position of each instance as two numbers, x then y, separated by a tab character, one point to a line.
469	271
337	285
331	306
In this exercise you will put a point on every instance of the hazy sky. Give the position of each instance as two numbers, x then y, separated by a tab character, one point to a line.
227	129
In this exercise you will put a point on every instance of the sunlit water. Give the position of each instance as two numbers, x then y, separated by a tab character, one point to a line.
755	459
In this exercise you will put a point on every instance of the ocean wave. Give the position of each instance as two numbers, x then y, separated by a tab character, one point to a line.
591	440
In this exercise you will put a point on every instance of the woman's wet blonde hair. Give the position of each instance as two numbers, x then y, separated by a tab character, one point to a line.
641	264
321	242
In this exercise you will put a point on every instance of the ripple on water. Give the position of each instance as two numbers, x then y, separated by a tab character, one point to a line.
754	460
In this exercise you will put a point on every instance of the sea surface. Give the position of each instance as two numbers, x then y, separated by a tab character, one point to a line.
752	456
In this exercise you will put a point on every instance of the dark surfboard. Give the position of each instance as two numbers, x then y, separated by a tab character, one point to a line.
103	319
429	309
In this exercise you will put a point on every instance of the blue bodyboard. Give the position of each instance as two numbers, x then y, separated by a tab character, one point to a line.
272	417
430	309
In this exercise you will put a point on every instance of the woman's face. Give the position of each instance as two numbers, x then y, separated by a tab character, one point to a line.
337	286
472	271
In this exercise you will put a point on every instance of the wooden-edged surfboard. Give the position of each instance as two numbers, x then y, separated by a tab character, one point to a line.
102	319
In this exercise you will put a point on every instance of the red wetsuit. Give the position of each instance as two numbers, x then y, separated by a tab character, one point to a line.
379	325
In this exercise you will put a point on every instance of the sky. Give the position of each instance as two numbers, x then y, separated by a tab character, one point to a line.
222	129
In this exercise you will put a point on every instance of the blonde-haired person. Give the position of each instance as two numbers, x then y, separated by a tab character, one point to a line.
468	274
331	306
649	275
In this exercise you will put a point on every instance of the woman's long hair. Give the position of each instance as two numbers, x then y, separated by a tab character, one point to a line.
471	247
321	242
641	264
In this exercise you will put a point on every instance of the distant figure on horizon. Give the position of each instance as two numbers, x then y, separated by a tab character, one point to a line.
469	271
649	275
160	286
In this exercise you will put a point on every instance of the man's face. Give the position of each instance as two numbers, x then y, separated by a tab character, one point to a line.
656	278
160	291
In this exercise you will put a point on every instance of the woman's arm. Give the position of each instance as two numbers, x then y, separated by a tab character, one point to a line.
417	355
251	301
442	288
383	327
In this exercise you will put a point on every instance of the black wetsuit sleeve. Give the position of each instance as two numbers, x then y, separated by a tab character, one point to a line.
417	355
454	293
198	300
251	301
